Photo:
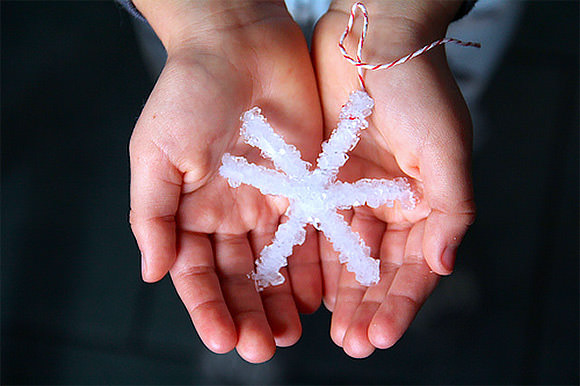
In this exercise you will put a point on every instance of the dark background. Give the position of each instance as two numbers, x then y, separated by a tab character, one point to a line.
75	311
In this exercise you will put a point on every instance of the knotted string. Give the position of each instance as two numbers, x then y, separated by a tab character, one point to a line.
357	60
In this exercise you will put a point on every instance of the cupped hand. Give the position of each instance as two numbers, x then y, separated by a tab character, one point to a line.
185	217
420	128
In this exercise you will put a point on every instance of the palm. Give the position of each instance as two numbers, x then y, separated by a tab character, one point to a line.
417	129
206	233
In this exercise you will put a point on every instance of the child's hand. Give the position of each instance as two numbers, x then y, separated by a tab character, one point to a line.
421	128
223	58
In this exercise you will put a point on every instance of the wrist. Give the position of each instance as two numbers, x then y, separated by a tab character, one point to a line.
430	15
399	27
204	23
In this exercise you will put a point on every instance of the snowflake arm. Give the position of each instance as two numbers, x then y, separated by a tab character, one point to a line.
238	170
314	196
352	120
351	248
257	132
373	193
274	256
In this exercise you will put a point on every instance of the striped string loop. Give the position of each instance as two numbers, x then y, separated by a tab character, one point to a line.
357	60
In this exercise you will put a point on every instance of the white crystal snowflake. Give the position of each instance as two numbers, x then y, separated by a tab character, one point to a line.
314	196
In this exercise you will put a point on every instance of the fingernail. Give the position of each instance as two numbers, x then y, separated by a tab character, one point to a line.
448	259
143	267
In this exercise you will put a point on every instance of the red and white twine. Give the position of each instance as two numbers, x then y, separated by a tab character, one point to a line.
357	60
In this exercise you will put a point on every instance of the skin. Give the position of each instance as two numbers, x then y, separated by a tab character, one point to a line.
225	57
420	128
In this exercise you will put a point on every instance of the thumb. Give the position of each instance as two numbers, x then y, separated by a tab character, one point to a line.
446	173
155	193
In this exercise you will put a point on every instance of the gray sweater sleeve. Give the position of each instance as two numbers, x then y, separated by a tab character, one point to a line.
130	7
466	6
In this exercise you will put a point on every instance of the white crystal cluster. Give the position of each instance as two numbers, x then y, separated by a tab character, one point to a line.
314	196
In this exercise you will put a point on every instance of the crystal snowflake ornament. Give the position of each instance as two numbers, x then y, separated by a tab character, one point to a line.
314	196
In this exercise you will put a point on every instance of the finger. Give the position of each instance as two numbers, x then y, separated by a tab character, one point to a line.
277	300
330	267
234	260
305	273
155	192
197	284
356	340
350	292
411	285
281	313
446	175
